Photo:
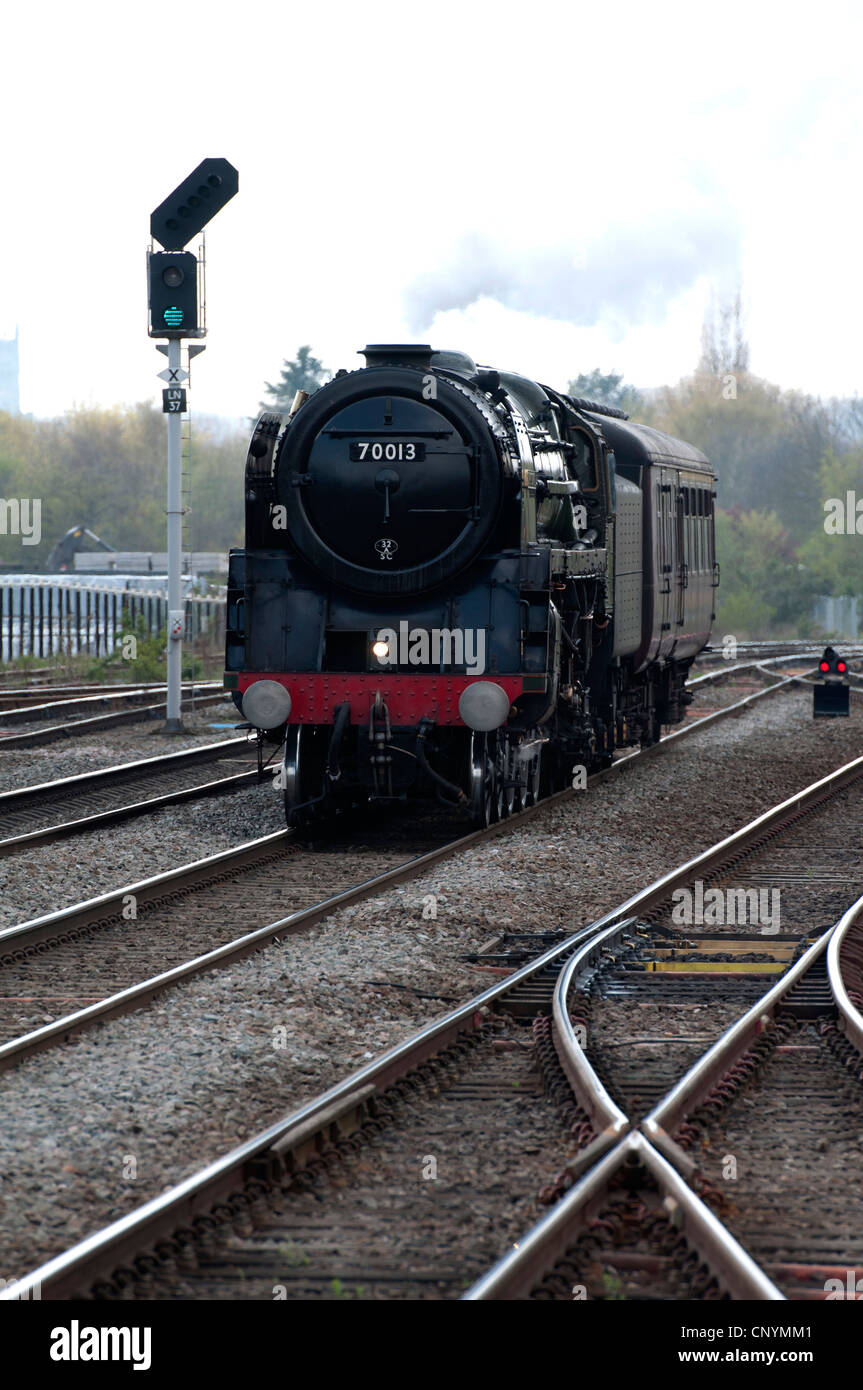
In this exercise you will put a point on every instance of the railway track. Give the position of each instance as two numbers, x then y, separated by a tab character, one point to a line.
743	1122
105	956
400	1181
69	969
52	810
661	1214
774	651
18	701
130	708
777	1136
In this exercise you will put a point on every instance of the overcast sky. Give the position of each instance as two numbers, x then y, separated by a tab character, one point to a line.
546	189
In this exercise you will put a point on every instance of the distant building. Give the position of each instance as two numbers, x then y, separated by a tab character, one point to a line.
9	375
148	562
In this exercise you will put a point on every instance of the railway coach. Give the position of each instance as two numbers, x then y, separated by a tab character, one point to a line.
457	582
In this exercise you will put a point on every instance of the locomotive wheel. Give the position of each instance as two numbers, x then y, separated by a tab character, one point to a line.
534	779
518	771
555	770
505	775
483	799
303	772
653	732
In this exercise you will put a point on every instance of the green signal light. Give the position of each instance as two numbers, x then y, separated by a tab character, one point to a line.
174	316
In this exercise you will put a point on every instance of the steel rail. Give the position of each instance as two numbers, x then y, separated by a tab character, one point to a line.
80	913
754	664
10	800
852	689
721	673
133	997
48	834
83	1263
515	1275
794	649
747	837
133	694
100	721
103	776
69	691
840	944
91	910
665	1118
702	720
607	1118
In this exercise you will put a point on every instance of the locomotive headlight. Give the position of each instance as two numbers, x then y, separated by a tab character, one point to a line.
483	706
381	650
266	704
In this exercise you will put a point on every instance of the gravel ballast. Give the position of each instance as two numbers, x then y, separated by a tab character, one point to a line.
110	1120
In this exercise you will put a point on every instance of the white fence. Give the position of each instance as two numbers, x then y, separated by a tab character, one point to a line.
50	616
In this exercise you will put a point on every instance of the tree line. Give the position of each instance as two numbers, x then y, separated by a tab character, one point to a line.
106	468
790	474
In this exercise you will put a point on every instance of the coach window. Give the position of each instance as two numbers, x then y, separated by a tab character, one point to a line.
681	529
696	526
664	535
696	532
693	512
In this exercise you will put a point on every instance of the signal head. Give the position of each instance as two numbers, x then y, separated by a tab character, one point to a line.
173	294
193	202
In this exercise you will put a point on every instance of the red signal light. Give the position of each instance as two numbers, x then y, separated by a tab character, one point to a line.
840	666
825	666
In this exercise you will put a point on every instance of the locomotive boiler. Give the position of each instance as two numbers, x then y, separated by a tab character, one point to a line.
459	583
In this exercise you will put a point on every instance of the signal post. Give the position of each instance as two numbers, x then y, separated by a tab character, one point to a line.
174	285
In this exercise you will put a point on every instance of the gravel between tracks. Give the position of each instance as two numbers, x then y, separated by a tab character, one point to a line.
164	1090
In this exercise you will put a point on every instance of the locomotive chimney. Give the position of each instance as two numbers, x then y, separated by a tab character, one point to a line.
416	355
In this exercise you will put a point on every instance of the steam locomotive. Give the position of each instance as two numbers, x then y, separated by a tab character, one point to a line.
459	583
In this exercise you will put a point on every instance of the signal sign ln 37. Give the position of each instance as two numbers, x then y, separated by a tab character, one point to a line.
174	400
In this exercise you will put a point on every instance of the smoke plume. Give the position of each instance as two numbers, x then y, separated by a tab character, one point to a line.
624	278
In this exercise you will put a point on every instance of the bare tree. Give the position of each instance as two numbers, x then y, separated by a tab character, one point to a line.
724	347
